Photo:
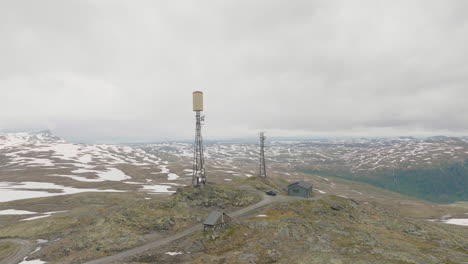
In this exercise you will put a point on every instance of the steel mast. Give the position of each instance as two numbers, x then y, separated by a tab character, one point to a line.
198	175
262	172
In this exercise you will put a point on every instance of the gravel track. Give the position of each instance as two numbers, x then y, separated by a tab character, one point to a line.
24	249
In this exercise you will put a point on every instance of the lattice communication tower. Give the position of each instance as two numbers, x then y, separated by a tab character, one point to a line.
198	175
262	171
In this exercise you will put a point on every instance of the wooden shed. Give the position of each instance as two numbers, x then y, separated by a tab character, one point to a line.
216	220
300	188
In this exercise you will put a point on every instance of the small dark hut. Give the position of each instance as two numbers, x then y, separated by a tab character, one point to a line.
216	220
300	188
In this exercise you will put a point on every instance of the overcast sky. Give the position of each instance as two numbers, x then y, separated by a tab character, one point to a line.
124	71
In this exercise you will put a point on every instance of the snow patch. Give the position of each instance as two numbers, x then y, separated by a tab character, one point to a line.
15	212
157	188
174	253
43	216
457	221
164	168
112	174
36	250
127	182
78	178
172	176
10	191
36	261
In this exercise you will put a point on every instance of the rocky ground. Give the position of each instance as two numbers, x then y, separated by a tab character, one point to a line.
101	225
330	230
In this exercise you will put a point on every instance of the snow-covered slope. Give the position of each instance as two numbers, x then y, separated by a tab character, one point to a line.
43	157
355	154
33	164
432	169
45	150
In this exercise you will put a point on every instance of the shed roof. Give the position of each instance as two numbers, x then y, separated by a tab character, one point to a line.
213	218
302	184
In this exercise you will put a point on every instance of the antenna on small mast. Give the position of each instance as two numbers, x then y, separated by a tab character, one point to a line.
262	172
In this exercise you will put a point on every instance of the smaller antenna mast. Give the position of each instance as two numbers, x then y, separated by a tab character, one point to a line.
262	172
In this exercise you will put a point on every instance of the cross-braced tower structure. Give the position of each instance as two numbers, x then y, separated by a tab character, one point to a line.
262	172
198	176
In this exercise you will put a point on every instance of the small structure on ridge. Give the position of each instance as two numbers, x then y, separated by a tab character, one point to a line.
216	220
300	188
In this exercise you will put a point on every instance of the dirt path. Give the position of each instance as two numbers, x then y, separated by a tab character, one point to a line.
138	250
24	249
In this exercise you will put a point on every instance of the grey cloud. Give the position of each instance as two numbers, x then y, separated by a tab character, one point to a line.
125	70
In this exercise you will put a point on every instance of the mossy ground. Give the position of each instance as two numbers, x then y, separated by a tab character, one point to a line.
6	249
329	230
100	224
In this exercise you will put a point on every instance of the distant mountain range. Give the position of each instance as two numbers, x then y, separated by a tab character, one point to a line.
429	168
432	168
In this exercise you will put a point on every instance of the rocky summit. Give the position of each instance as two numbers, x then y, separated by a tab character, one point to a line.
328	230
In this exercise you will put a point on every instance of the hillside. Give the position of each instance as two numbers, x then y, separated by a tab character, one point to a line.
444	183
96	225
330	230
433	169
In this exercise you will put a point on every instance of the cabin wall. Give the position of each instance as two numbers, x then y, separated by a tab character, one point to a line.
298	191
